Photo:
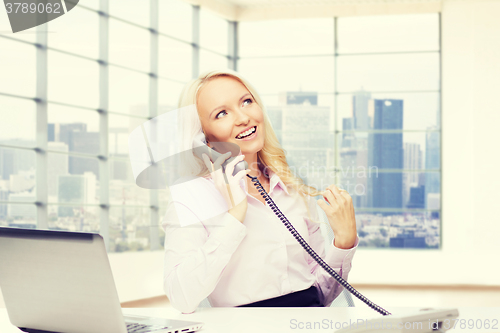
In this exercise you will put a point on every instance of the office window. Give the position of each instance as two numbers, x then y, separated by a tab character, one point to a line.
209	61
130	10
18	215
286	37
389	72
378	33
122	188
421	108
129	45
17	65
80	184
91	4
168	95
79	37
175	59
17	175
129	229
72	80
375	84
213	32
128	91
176	19
77	129
388	119
74	217
119	128
13	131
277	75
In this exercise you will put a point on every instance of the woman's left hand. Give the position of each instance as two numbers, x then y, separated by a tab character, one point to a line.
340	213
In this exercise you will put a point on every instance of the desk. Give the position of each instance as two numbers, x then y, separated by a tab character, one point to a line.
246	320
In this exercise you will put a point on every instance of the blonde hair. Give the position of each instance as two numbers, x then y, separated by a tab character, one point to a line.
272	155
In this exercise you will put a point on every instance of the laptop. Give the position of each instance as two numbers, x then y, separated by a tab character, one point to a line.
59	281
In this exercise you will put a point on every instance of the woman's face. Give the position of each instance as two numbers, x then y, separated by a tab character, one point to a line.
227	109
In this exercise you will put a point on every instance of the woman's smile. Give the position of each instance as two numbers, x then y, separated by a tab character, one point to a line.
248	134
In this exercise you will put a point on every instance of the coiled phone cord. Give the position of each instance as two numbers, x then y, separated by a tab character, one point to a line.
310	251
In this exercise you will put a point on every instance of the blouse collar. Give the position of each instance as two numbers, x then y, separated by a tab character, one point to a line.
274	180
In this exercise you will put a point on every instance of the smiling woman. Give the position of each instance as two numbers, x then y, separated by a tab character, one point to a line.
244	256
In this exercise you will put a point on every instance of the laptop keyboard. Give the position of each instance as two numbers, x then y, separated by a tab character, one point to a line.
141	328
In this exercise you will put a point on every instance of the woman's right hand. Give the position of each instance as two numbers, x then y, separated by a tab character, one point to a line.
231	190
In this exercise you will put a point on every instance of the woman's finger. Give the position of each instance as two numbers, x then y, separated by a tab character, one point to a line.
231	165
330	189
218	162
207	162
323	205
241	174
329	197
336	192
345	194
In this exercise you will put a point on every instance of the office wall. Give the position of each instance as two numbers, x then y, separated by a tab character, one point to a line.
470	159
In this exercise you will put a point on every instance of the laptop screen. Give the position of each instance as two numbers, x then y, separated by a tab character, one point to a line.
58	281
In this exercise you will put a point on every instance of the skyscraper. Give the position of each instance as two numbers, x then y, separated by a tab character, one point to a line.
76	137
27	212
51	133
75	189
412	161
14	160
361	121
348	156
57	165
386	152
63	132
84	142
306	140
275	115
348	138
302	128
360	102
301	98
416	199
8	163
432	161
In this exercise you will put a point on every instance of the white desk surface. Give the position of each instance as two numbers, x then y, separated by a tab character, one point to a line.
242	320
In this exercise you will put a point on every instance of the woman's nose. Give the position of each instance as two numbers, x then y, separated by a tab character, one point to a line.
242	117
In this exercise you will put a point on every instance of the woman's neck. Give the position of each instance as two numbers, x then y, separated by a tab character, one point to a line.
256	169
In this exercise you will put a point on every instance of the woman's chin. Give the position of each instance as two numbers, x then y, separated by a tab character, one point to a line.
251	149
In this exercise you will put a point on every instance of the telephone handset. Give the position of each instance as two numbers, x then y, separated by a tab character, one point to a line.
200	147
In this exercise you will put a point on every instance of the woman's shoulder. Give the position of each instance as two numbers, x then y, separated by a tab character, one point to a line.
198	195
190	186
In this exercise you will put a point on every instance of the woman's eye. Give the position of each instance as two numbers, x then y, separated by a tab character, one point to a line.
218	114
249	100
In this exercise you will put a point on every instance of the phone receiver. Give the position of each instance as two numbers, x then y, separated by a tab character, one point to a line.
200	147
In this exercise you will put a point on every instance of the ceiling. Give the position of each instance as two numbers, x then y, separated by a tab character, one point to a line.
251	10
270	3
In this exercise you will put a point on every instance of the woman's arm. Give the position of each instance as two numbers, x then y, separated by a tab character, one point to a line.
196	255
338	259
